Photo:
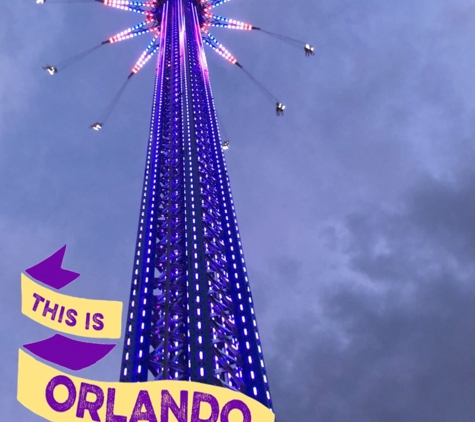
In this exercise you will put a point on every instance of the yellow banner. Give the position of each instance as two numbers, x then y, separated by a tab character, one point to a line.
70	315
59	397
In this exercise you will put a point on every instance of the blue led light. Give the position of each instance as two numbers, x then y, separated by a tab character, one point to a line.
188	227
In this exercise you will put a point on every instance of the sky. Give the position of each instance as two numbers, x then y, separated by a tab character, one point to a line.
356	208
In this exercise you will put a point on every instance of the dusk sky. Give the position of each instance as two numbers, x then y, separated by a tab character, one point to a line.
356	208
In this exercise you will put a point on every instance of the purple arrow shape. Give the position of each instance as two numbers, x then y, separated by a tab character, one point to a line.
68	353
50	272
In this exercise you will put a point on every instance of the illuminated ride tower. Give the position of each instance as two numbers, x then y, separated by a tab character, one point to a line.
191	314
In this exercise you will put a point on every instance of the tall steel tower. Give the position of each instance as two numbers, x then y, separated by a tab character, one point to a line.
191	314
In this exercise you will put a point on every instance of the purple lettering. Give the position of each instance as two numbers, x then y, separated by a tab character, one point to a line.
143	399
49	394
110	417
71	314
92	406
37	301
238	405
61	314
180	413
97	318
199	398
52	310
88	318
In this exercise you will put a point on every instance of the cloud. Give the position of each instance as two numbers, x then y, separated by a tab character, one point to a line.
400	347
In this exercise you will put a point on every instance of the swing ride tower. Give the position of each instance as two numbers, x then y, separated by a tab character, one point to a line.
191	313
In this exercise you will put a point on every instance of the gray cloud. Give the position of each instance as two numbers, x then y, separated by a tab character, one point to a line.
401	347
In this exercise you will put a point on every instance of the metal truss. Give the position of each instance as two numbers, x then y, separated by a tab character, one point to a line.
169	353
226	359
190	315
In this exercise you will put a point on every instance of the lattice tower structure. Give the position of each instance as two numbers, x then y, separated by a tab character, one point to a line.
190	314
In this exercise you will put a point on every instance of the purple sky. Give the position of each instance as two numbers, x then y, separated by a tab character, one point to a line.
357	208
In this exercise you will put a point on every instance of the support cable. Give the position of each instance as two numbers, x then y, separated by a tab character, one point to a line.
71	60
222	127
108	111
283	37
223	133
113	103
309	50
259	84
